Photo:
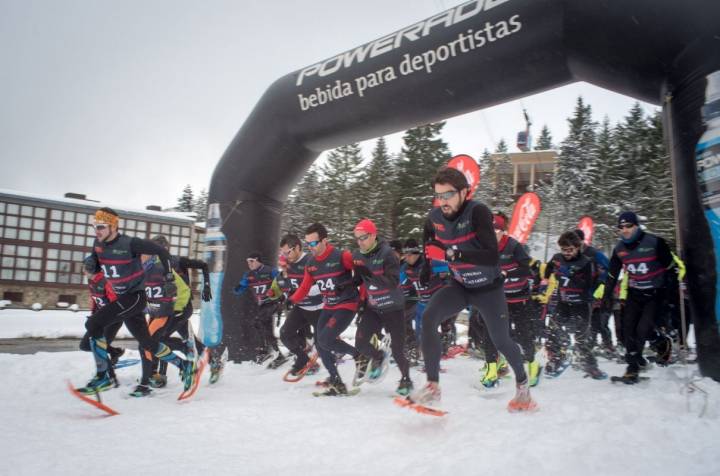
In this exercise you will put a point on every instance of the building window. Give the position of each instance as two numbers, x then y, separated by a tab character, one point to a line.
40	212
68	298
12	296
13	209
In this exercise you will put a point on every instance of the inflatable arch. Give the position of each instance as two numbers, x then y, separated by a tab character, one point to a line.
472	56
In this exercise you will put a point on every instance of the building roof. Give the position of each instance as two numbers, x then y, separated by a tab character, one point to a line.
124	212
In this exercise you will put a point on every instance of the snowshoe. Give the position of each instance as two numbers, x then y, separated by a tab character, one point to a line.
429	395
335	388
99	383
522	402
217	365
361	368
405	387
556	369
158	380
141	391
278	361
595	373
489	378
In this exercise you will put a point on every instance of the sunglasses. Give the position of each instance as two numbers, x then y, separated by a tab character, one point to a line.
626	226
101	227
363	237
445	195
312	244
411	251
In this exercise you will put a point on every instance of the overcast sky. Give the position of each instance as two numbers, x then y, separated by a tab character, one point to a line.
128	101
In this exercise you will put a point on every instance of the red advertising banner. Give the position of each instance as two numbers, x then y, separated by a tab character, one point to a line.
525	214
468	166
587	225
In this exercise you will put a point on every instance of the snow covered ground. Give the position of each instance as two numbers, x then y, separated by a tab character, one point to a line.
252	423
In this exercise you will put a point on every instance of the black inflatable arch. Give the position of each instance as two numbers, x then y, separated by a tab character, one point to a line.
472	56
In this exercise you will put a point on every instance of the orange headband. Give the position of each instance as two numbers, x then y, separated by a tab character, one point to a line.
105	217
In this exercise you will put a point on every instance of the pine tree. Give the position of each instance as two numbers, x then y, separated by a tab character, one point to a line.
606	174
485	189
185	202
632	148
544	142
501	180
343	193
305	204
376	188
423	153
658	206
572	189
200	206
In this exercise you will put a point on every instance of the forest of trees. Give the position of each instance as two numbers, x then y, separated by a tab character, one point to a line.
603	169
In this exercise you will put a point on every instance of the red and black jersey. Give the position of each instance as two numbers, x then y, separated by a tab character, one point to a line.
121	267
383	287
424	291
641	263
477	266
515	263
575	277
332	271
290	283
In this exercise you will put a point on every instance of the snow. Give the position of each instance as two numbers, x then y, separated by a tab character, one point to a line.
253	423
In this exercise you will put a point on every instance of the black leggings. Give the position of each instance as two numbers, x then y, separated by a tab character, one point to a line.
331	324
522	330
638	321
264	325
600	325
571	318
447	302
371	324
294	330
110	332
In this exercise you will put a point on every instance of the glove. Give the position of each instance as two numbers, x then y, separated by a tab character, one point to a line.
453	254
169	288
237	290
606	304
434	250
363	271
206	293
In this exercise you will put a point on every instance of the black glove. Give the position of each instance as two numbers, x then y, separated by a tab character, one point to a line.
606	304
363	271
206	293
453	254
169	288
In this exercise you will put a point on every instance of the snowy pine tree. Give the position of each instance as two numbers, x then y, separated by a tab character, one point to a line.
185	202
423	153
544	141
200	206
376	187
658	203
571	187
305	204
500	180
342	193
